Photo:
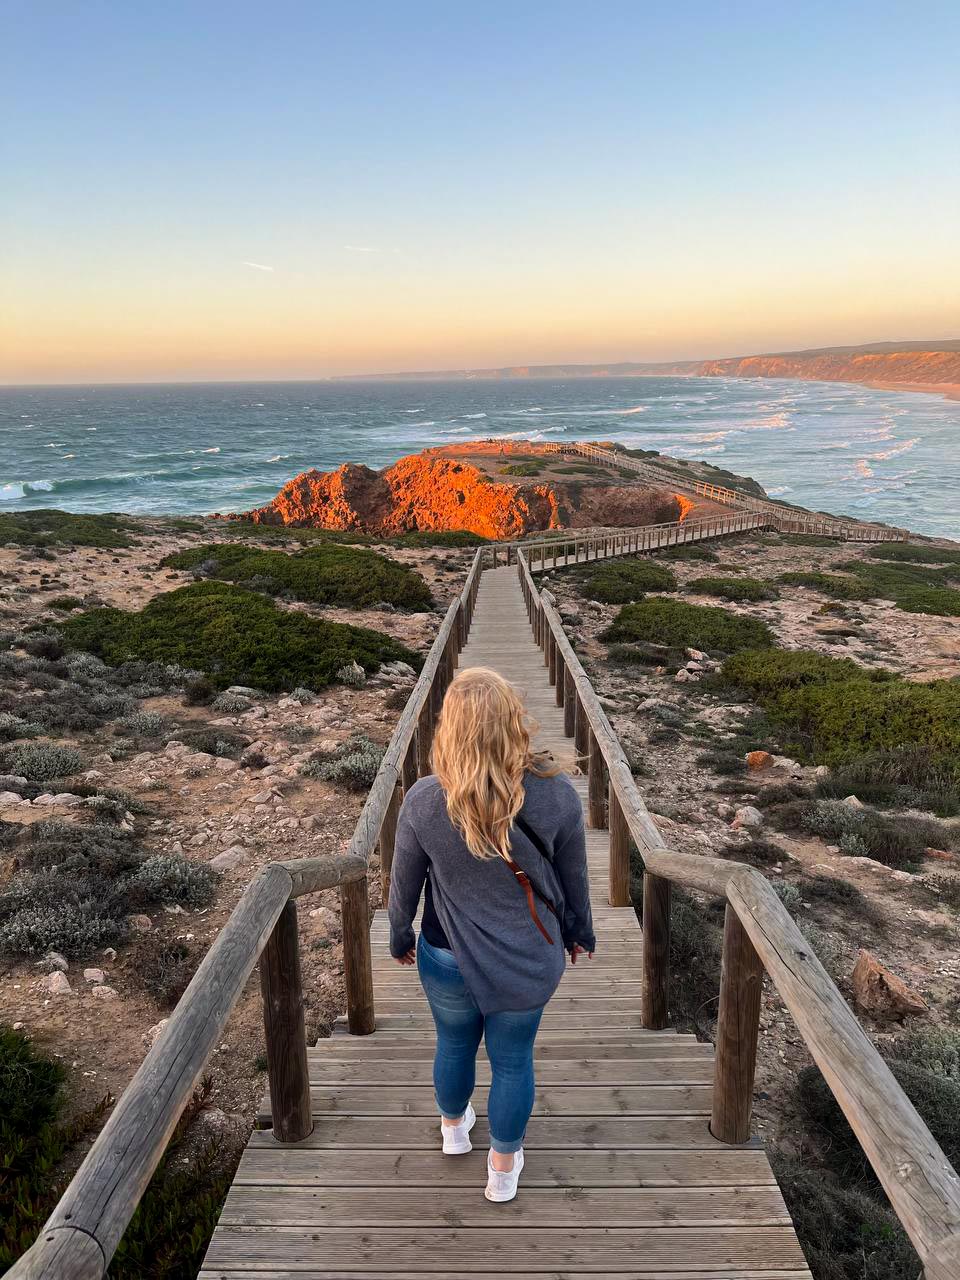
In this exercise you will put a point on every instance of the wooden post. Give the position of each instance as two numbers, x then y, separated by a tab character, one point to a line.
282	990
619	853
388	836
424	737
569	703
597	785
738	1026
551	655
560	677
408	774
581	732
357	964
656	952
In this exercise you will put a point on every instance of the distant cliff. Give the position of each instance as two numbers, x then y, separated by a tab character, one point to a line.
923	367
430	491
920	364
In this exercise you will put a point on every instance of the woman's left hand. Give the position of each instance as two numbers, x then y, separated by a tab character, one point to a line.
577	950
409	958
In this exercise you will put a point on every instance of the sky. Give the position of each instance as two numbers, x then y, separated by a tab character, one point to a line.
211	190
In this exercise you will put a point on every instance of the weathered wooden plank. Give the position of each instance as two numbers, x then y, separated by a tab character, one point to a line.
551	1100
558	1048
383	1072
720	1166
479	1249
311	1273
597	1133
557	1207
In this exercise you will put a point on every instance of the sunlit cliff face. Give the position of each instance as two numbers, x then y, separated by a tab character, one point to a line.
434	492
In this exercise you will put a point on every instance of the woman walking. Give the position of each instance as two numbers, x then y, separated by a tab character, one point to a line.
495	837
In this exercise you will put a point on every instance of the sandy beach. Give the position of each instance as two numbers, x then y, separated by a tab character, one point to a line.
949	390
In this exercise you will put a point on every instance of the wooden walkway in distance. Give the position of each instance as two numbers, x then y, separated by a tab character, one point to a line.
622	1177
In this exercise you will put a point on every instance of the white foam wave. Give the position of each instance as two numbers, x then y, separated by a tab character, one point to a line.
474	415
215	449
626	413
278	457
779	489
862	467
898	449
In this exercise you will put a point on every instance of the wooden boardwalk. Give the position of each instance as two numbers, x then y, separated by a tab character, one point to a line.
622	1176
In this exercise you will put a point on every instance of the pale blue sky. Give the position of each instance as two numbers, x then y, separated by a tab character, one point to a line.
436	185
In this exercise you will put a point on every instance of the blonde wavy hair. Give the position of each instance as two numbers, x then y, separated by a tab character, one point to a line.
480	752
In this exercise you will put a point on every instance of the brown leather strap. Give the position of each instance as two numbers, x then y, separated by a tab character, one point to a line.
524	881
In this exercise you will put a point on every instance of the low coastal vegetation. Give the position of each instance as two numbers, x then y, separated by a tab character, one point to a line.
325	574
235	636
47	527
77	886
833	710
678	624
740	590
913	553
623	581
835	585
169	1232
915	588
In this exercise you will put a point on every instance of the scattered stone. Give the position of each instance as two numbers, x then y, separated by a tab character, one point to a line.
822	771
94	975
53	960
140	923
852	802
12	782
9	797
104	992
67	799
57	984
696	655
229	858
758	759
225	765
942	855
110	953
261	797
327	920
881	993
150	1036
748	816
725	811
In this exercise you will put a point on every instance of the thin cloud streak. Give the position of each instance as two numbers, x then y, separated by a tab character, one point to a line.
257	266
361	248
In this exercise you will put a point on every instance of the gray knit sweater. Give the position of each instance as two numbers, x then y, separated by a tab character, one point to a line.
505	961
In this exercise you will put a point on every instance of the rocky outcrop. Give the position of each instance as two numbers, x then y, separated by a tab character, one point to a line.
429	492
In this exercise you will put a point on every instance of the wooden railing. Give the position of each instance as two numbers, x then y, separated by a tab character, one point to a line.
82	1233
556	552
759	936
780	517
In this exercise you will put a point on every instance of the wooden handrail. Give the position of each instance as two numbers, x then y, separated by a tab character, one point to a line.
760	935
82	1233
780	517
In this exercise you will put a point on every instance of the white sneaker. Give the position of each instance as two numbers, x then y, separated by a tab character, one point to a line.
503	1186
456	1137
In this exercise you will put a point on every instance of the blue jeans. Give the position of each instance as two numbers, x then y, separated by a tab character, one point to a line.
460	1027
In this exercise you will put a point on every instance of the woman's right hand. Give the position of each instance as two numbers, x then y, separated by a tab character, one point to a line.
409	958
577	950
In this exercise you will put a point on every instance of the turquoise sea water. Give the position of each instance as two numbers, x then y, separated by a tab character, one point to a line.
882	455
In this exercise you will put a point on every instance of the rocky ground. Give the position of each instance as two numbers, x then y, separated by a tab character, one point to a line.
234	814
667	724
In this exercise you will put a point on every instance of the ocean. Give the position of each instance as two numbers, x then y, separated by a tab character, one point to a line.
204	447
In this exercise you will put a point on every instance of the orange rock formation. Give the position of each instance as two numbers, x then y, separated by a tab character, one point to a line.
430	491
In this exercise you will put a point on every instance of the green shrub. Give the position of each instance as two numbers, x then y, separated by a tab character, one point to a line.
916	588
322	574
734	589
45	527
170	880
845	1234
908	777
142	724
12	727
354	764
172	1226
758	852
452	538
230	703
899	552
936	1097
40	761
521	469
896	842
689	551
621	581
66	603
726	763
942	602
214	741
235	636
771	673
674	622
934	1049
837	586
